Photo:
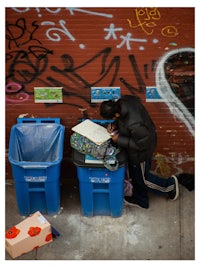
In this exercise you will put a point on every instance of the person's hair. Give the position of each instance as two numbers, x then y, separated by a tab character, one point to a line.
109	108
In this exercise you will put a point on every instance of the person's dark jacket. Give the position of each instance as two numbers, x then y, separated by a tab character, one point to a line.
137	130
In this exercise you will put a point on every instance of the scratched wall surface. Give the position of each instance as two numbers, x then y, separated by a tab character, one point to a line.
76	48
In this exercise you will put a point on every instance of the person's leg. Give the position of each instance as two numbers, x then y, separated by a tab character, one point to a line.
140	195
158	185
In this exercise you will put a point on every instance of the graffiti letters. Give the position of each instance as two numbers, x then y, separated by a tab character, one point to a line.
18	96
26	66
146	19
71	10
127	39
111	32
55	36
72	72
18	33
169	31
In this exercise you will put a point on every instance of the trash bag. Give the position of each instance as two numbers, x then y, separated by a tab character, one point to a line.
36	142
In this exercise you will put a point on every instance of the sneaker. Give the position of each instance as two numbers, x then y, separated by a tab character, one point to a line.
130	201
173	195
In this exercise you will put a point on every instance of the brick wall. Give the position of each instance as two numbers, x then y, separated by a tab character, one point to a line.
76	48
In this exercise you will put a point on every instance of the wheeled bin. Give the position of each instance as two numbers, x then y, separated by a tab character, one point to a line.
101	190
35	154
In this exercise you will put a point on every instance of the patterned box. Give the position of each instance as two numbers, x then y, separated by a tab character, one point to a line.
30	234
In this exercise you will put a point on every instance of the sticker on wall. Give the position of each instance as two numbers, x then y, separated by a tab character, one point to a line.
100	94
152	95
48	95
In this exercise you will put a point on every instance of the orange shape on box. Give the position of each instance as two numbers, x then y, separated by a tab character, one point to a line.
12	232
48	237
33	231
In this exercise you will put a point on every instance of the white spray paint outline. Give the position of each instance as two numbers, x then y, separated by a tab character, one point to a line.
176	107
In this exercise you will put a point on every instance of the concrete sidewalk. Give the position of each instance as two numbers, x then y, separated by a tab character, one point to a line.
163	232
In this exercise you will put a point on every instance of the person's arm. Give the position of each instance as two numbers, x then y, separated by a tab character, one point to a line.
138	139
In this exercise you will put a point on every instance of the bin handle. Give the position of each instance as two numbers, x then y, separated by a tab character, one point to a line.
34	166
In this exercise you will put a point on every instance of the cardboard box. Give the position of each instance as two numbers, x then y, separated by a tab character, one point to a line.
31	233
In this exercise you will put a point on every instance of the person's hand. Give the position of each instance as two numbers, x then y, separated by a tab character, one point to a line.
115	137
110	128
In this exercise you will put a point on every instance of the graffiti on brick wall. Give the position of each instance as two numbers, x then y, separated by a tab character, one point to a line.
31	65
179	99
173	163
146	19
29	60
27	67
59	31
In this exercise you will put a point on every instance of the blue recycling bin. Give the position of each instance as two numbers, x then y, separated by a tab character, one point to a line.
35	154
101	190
